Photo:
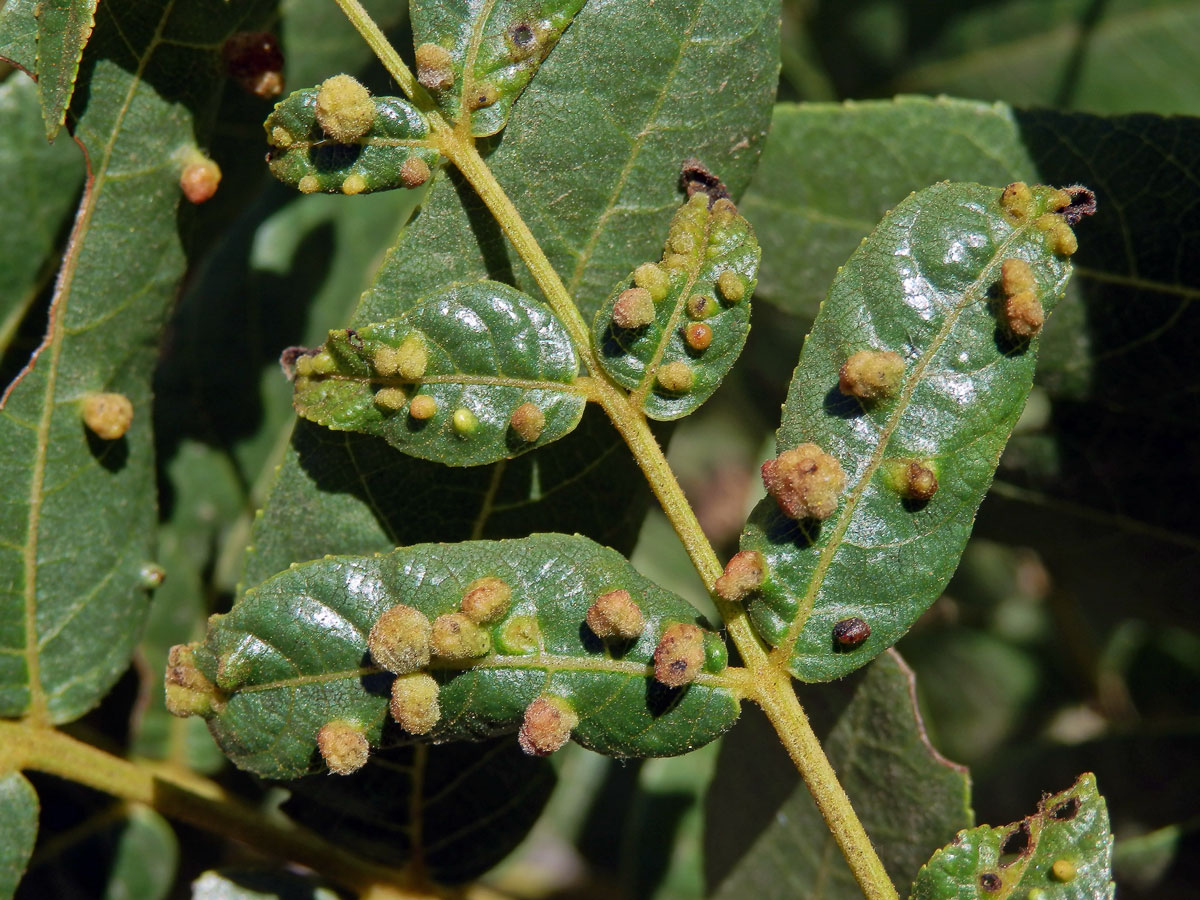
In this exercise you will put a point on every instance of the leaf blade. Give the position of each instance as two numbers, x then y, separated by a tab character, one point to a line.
19	805
63	30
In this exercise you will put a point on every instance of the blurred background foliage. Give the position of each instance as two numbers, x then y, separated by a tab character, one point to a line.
1068	641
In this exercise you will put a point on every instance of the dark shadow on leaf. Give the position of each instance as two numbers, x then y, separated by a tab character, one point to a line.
334	157
111	454
842	405
660	699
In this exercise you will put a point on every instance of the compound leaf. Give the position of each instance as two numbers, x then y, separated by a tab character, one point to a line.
694	315
922	292
292	655
500	43
394	151
63	28
1061	852
19	809
472	374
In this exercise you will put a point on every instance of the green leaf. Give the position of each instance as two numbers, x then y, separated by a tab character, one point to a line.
18	34
79	522
502	42
453	810
1064	850
63	28
252	884
923	286
674	353
47	180
831	171
144	859
19	810
497	365
766	837
382	158
292	654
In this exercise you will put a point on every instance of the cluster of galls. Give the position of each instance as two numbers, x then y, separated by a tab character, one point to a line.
404	642
696	231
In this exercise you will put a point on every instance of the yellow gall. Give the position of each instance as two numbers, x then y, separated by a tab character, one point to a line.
343	746
308	184
679	656
744	574
1057	199
199	179
731	287
435	67
464	422
414	704
1023	314
411	358
423	407
675	260
457	637
1063	870
723	211
188	692
483	96
918	481
391	399
386	361
698	336
414	172
682	242
304	366
322	363
547	725
281	137
1017	200
871	374
486	600
806	482
344	109
354	184
674	377
107	416
652	278
615	615
400	640
527	422
1016	275
634	308
1059	236
700	306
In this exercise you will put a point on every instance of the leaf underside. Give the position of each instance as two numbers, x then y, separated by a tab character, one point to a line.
924	285
292	654
19	811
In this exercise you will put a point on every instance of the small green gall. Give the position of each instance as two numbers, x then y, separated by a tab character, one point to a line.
414	704
547	725
483	96
806	482
422	407
615	615
151	575
1057	200
520	635
679	656
871	374
465	422
698	336
1016	275
108	416
676	261
912	479
744	574
1017	201
716	654
723	211
682	242
701	307
457	637
386	361
731	287
233	670
199	178
354	184
411	358
322	363
1023	315
304	366
486	600
435	67
527	422
344	109
850	633
188	692
652	278
633	308
343	746
674	377
400	640
414	172
1063	870
308	184
390	399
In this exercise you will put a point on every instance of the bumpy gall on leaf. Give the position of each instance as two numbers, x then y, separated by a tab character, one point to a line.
399	641
457	637
344	109
527	422
547	725
343	746
806	482
615	615
871	374
414	703
108	416
679	656
435	67
744	574
486	600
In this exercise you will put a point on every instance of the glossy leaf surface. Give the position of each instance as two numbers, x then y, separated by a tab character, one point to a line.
485	350
911	800
923	285
702	246
1061	852
494	50
376	160
63	28
19	810
292	654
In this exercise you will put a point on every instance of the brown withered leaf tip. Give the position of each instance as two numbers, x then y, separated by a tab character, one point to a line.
695	178
1083	203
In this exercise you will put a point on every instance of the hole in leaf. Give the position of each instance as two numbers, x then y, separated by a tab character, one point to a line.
1015	845
1066	810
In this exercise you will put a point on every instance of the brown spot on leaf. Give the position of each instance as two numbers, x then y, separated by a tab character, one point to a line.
990	882
850	633
695	178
